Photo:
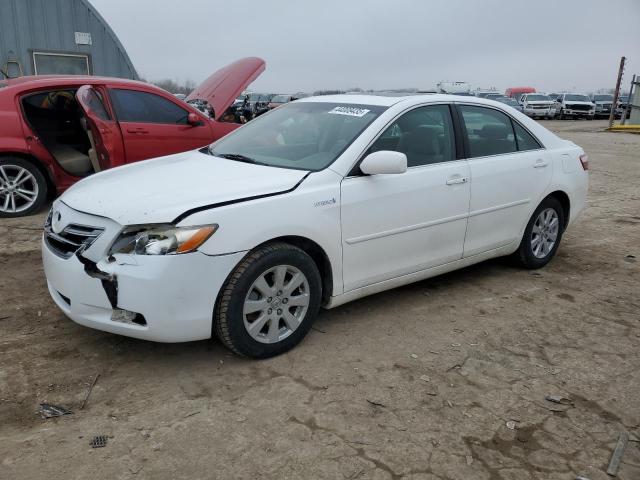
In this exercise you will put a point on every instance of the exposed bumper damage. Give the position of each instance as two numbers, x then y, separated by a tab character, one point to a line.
109	281
145	297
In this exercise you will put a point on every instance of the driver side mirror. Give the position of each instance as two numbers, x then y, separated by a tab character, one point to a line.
384	162
194	120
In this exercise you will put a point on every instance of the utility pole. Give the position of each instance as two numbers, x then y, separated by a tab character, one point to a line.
616	94
623	118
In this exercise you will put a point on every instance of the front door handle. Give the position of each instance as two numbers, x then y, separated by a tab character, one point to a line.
456	179
139	130
540	163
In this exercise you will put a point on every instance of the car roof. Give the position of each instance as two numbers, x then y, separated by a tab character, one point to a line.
385	101
45	80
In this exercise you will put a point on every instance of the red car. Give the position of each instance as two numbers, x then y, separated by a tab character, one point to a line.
56	130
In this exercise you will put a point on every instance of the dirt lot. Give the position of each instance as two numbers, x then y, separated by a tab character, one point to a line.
422	382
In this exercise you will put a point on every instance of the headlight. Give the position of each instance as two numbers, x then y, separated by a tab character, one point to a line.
161	239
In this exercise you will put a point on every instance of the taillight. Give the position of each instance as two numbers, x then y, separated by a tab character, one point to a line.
584	160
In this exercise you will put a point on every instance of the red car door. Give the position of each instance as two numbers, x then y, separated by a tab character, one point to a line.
105	133
153	125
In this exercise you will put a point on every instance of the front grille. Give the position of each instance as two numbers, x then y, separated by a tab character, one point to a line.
579	107
71	239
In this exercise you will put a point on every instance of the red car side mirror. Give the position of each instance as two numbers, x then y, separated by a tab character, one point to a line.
194	120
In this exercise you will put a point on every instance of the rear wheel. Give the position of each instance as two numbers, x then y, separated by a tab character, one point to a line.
23	188
542	235
269	301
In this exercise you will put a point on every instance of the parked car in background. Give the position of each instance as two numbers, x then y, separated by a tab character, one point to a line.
516	92
56	130
262	104
574	105
490	94
279	100
537	105
603	103
323	201
180	96
508	101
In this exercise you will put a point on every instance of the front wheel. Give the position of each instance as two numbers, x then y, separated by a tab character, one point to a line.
269	301
23	188
542	235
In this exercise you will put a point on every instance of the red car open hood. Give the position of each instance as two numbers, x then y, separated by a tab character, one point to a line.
224	86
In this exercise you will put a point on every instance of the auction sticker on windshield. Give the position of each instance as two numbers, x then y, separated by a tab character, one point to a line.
351	111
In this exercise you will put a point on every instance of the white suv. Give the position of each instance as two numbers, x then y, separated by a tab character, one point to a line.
537	105
575	105
316	203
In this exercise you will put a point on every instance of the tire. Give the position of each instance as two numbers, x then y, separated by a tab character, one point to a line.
275	335
527	256
14	199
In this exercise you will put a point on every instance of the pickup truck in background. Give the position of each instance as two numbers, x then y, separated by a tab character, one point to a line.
574	105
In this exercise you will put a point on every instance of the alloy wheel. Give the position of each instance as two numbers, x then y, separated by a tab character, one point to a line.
276	304
18	189
545	233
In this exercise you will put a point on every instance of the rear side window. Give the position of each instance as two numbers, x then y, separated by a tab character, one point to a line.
136	106
524	138
489	132
425	135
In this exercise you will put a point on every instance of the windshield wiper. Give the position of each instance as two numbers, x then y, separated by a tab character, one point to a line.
235	156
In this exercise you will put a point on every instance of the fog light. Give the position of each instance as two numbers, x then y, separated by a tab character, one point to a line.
126	316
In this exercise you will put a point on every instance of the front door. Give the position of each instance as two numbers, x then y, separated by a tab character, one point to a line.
103	131
154	126
393	225
510	172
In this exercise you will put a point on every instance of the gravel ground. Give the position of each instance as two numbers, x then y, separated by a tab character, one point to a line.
442	379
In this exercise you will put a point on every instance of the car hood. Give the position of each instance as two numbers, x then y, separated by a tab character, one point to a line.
578	102
222	88
160	190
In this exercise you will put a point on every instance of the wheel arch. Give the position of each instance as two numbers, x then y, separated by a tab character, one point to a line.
51	186
317	254
564	200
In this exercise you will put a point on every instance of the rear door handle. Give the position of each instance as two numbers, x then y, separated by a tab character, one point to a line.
139	130
540	163
456	179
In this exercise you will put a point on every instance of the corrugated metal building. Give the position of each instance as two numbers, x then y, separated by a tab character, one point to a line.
39	37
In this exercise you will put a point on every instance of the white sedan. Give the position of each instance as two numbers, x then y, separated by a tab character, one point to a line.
317	203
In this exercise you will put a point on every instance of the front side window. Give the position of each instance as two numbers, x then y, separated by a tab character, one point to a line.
425	135
144	107
95	103
489	132
305	135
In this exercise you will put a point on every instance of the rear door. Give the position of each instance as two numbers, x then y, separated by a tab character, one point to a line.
510	171
103	130
153	125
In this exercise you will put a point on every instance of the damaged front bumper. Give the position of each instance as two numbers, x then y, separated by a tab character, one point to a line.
161	298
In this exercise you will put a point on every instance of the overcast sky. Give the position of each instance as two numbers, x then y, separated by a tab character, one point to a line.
325	44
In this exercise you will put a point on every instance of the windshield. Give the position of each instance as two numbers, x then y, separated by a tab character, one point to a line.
305	136
603	98
538	98
576	98
280	99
